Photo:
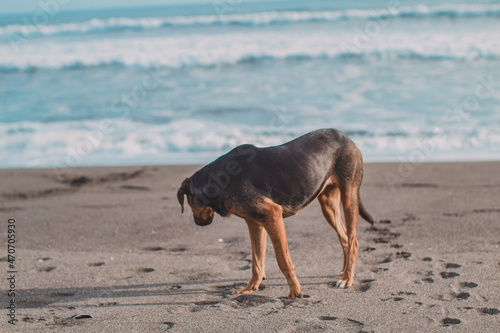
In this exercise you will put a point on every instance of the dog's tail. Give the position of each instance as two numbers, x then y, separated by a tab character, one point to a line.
364	214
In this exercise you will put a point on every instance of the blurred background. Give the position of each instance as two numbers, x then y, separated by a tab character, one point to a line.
86	83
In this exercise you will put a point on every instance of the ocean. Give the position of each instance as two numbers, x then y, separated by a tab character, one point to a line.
407	80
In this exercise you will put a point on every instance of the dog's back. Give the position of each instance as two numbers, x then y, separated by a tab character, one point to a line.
291	174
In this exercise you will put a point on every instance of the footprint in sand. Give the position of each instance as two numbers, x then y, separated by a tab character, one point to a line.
249	301
82	316
47	269
369	249
175	287
247	261
449	275
462	296
169	324
429	275
450	321
79	181
387	259
178	249
96	264
409	217
489	311
229	287
404	255
247	266
154	248
347	325
206	303
107	304
407	293
381	240
135	187
378	269
365	285
360	324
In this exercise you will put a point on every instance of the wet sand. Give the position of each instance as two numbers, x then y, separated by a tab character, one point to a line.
111	246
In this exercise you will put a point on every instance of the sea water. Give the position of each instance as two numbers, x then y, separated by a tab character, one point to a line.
406	80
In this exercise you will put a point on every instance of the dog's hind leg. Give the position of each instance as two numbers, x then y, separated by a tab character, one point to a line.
349	197
258	237
329	200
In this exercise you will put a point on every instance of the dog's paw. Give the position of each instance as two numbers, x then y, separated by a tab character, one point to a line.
295	293
342	284
247	290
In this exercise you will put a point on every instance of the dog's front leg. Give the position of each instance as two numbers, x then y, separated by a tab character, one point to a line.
258	238
276	230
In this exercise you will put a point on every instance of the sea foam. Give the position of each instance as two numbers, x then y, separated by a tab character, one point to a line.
117	24
202	50
72	144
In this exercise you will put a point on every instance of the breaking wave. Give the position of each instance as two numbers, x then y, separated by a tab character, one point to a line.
118	24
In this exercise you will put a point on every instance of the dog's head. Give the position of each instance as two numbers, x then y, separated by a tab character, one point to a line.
203	215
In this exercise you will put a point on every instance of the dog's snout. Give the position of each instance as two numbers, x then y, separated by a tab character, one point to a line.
203	222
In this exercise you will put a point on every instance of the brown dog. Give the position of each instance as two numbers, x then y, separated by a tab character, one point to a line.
265	185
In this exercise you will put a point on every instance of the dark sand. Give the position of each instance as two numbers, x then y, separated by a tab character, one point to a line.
111	243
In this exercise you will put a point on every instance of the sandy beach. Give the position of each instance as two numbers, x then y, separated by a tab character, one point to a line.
106	249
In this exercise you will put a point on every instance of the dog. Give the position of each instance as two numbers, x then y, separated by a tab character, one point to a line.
265	185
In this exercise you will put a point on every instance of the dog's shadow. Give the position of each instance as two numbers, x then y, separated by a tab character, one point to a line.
156	294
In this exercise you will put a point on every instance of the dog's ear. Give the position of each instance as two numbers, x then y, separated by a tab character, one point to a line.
183	190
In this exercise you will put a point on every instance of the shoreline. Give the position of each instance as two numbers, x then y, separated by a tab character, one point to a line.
451	160
111	243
